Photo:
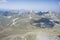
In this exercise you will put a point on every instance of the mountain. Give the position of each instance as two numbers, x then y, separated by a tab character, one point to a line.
14	16
29	25
41	13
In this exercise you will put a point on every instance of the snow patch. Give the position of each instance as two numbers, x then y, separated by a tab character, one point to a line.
15	19
9	16
51	20
30	17
13	23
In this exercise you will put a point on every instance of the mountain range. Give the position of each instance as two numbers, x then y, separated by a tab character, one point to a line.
28	24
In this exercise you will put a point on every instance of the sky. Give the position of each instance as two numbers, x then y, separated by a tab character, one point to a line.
43	5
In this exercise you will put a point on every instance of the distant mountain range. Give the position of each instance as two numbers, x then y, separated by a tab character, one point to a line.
14	17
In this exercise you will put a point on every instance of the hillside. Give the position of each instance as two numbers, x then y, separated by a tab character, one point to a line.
29	25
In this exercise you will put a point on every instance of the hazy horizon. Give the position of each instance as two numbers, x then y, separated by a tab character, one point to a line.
43	5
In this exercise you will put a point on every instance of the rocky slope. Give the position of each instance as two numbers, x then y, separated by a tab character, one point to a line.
29	25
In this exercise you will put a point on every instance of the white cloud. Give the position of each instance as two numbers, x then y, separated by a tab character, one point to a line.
3	0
